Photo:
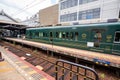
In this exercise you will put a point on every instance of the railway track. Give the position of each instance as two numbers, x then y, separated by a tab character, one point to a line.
40	58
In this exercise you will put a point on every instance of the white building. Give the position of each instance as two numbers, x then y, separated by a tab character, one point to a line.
32	21
88	11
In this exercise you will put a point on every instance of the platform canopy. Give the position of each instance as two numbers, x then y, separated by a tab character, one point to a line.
7	22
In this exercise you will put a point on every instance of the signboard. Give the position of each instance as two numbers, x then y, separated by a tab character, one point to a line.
90	44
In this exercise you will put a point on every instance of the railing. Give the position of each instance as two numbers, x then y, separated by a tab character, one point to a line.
74	71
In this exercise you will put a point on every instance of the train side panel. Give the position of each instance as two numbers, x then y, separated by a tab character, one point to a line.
101	38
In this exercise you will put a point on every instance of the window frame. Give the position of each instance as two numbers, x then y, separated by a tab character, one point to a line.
85	1
115	37
89	14
36	34
76	36
63	35
67	35
68	3
71	35
57	34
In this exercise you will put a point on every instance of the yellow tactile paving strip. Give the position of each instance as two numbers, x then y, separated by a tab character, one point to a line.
17	62
3	63
7	72
24	66
3	67
43	79
32	72
24	69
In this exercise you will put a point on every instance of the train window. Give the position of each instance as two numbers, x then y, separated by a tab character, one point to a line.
117	37
30	35
67	35
51	35
36	34
71	35
57	34
60	35
44	34
40	34
63	35
76	36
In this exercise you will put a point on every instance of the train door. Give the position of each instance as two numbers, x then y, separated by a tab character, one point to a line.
51	37
116	44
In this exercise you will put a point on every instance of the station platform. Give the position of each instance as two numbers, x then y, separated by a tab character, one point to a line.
15	68
98	58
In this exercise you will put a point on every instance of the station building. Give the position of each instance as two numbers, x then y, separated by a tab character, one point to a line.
9	26
73	12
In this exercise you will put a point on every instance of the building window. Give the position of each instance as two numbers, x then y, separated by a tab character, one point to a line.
73	16
96	13
68	4
61	18
85	1
82	15
89	14
68	17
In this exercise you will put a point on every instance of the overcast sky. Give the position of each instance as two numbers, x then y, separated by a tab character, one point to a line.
24	8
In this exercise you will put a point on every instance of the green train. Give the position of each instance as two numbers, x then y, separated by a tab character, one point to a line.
99	37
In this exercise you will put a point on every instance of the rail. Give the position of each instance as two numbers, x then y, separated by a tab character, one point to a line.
79	72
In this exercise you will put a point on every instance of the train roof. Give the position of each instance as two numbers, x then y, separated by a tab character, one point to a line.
82	25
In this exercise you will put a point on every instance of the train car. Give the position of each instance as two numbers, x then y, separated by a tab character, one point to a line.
102	37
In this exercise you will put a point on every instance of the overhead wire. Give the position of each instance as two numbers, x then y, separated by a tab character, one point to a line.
22	9
29	7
